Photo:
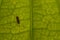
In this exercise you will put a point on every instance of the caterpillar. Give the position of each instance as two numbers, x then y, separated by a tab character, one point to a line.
17	19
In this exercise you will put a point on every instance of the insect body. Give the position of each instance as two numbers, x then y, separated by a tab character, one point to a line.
17	19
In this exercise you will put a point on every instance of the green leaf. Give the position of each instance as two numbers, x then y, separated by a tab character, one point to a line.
39	19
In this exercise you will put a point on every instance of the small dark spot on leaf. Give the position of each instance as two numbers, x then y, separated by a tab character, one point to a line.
17	19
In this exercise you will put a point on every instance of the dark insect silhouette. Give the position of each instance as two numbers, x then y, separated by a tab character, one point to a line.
17	19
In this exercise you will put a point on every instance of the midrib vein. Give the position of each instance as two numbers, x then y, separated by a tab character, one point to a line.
31	19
